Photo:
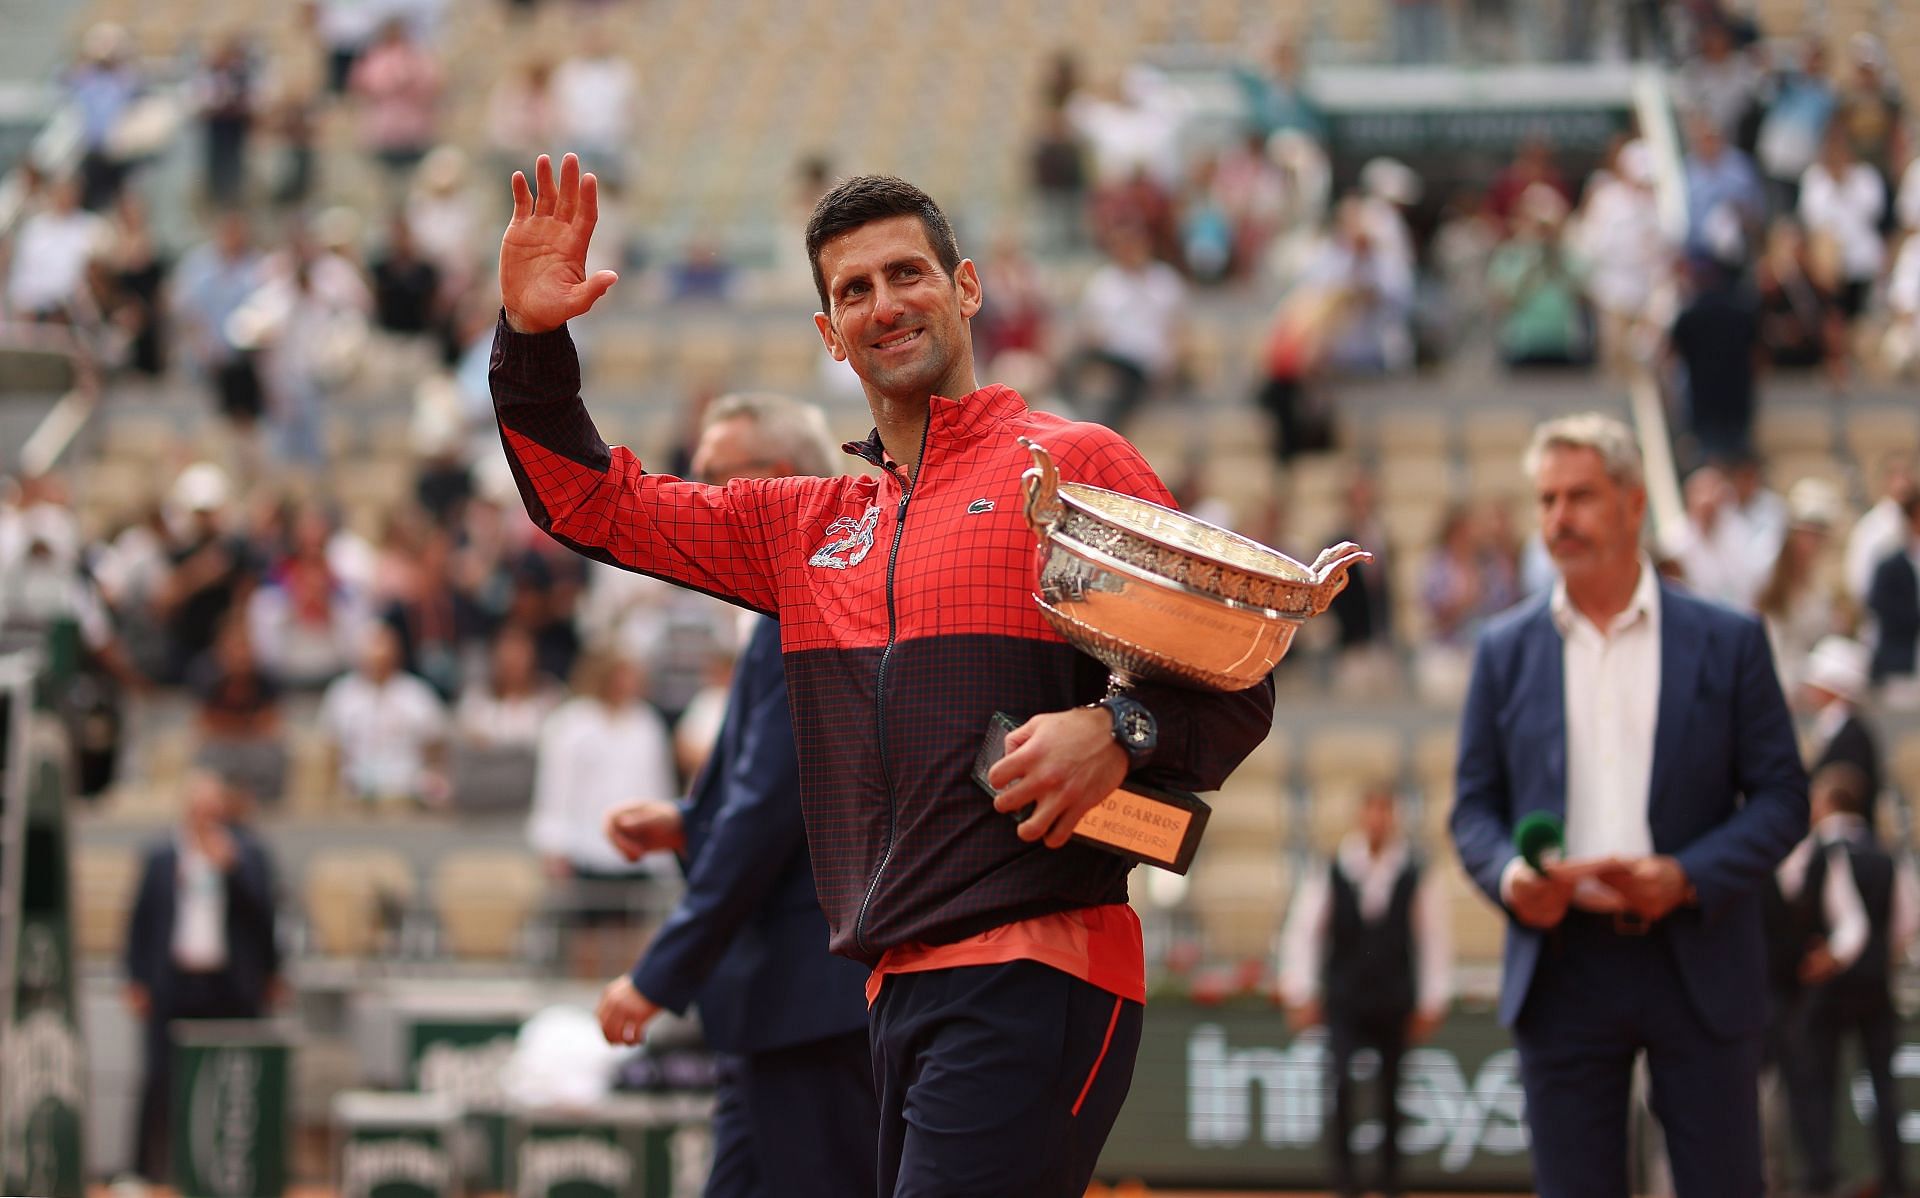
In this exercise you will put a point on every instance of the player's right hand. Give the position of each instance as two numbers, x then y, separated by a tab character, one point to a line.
543	257
646	827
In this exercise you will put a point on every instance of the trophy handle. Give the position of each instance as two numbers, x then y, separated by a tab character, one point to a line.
1041	485
1330	572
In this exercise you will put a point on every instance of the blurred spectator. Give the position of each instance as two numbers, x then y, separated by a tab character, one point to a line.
1714	548
1368	951
444	222
1536	287
238	718
1276	98
1893	599
1902	343
1844	199
1462	249
1373	283
1389	189
213	281
210	568
523	120
1016	316
1058	172
1532	166
1720	82
47	258
1800	320
432	618
1207	234
1799	110
1363	610
388	729
398	84
130	277
1139	200
1832	691
602	749
406	285
1906	204
1134	127
103	85
1465	579
1418	31
295	99
1725	202
1851	991
348	27
1871	106
224	93
1256	197
509	707
1620	240
1762	511
1715	340
1882	529
595	92
1130	328
305	617
1801	599
201	944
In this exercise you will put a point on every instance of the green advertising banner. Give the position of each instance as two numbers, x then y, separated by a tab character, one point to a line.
398	1145
462	1058
42	1065
1228	1096
626	1146
231	1107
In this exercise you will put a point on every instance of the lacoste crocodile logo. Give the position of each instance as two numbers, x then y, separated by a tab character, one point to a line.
979	506
848	541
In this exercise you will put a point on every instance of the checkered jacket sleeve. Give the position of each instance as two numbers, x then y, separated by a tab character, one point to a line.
597	499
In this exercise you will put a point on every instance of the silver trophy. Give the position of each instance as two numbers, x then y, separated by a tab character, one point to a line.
1156	595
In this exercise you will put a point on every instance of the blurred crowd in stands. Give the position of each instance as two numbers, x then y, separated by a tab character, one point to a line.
435	641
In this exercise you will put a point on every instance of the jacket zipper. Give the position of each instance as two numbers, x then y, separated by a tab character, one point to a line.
880	690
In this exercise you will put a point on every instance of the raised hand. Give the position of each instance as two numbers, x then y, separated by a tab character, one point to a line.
543	257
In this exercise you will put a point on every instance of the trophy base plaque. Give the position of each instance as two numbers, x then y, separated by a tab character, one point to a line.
1146	824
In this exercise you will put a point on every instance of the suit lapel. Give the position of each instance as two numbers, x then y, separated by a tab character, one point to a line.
1681	646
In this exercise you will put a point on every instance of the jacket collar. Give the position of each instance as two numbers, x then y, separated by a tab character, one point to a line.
951	422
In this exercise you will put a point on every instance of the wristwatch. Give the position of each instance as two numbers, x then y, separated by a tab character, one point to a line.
1134	728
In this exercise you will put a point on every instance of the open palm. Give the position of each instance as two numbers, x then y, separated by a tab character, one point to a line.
543	257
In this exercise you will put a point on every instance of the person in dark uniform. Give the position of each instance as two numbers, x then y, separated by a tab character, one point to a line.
1368	952
1849	975
1836	683
200	944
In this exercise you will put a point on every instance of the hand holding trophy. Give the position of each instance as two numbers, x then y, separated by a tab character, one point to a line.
1157	595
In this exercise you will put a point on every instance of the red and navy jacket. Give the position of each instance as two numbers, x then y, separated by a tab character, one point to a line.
906	618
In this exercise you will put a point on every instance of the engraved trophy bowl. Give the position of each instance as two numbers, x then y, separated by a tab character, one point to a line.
1157	595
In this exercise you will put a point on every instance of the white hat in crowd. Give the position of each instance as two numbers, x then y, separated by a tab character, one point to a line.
1839	666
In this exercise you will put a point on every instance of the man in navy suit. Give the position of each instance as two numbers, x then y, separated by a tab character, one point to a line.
1652	723
200	944
796	1112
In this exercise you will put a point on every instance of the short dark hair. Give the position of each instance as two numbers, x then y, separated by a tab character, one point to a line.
864	199
1845	786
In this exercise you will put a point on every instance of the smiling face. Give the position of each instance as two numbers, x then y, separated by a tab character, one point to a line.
894	315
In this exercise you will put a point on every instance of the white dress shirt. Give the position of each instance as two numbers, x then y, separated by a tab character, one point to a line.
199	911
1303	943
1612	690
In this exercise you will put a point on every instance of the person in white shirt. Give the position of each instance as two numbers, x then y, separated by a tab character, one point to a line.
601	750
1715	547
1130	317
48	256
1859	908
593	96
510	708
1649	723
1368	951
388	728
1881	530
1844	199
